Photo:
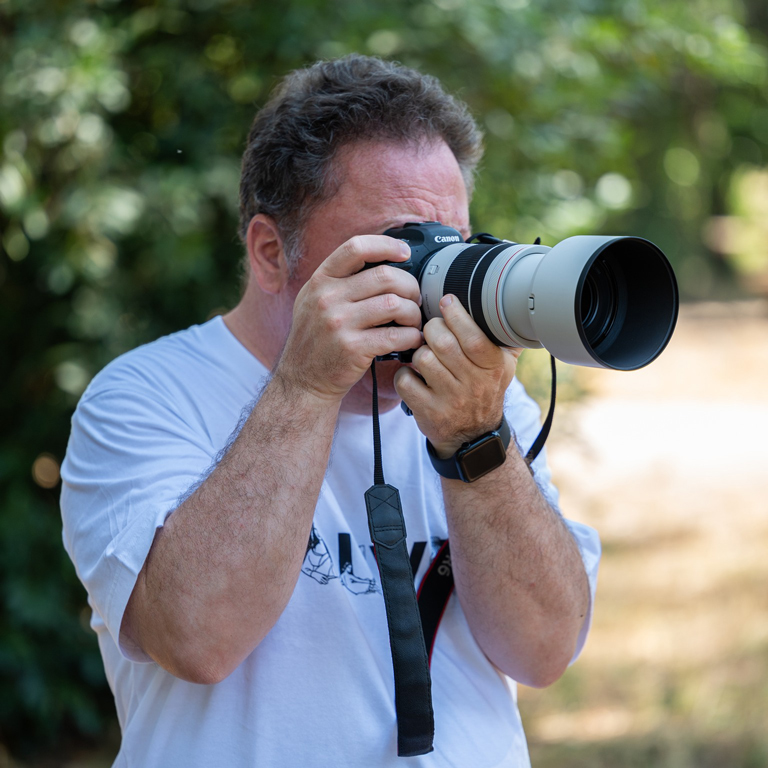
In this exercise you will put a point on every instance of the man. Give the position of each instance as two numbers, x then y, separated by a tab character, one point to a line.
240	615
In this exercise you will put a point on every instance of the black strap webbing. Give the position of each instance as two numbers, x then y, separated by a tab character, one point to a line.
541	438
413	685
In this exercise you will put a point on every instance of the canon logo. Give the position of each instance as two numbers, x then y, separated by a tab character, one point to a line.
447	239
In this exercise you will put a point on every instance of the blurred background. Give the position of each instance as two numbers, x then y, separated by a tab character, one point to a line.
121	128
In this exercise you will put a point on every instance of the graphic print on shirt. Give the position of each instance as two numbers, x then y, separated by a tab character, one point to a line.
436	543
317	560
318	563
357	585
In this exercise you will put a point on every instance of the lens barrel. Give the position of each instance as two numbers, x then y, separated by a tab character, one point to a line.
607	302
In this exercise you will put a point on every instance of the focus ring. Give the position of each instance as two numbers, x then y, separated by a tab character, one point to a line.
476	293
457	282
460	272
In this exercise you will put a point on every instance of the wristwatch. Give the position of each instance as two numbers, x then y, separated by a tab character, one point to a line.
475	458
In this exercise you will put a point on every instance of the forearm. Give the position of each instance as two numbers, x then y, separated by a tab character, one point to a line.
519	575
222	569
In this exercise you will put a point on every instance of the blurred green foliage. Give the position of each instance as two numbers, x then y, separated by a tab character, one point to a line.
121	127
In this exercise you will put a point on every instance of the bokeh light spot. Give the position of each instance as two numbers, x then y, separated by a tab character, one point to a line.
45	471
71	377
682	166
614	191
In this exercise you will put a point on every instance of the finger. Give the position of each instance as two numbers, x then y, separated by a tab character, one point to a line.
383	309
445	352
379	280
350	257
513	352
425	360
392	338
410	386
474	343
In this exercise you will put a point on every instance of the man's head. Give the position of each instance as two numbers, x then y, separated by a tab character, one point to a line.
288	166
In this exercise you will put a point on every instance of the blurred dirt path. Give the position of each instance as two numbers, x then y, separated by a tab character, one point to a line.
670	464
682	441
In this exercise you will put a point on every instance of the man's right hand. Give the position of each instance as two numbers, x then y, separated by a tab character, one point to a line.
341	314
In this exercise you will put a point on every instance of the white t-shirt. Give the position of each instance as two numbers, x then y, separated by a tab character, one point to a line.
318	690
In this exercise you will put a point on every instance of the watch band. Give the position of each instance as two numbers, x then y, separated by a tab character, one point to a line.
474	458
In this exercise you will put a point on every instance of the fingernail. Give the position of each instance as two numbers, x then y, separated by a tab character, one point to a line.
405	248
446	300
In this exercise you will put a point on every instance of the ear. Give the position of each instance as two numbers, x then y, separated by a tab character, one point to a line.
266	254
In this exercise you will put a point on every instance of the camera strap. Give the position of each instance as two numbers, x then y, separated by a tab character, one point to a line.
414	619
413	685
541	438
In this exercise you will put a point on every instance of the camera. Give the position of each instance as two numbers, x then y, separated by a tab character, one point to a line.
590	300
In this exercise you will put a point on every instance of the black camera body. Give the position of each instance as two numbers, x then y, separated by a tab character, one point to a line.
423	238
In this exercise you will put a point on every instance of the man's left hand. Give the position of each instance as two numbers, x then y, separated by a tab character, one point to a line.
465	378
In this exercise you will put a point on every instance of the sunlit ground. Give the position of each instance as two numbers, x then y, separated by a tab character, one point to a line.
671	465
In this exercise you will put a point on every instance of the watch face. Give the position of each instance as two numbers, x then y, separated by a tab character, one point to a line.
482	457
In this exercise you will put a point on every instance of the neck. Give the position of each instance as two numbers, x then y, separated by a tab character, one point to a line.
261	325
359	400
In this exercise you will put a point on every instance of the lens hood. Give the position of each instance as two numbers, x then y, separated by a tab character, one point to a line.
606	302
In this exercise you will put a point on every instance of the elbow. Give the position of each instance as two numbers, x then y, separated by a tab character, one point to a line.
536	667
199	663
544	675
549	652
184	654
207	658
191	649
200	673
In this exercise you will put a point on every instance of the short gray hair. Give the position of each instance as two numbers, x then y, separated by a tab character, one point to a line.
314	112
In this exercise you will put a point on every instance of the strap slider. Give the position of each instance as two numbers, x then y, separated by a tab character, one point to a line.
385	516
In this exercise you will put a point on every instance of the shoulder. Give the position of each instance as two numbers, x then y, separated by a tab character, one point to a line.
202	357
150	364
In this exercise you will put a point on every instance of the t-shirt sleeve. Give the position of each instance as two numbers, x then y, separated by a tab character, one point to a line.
524	416
130	460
